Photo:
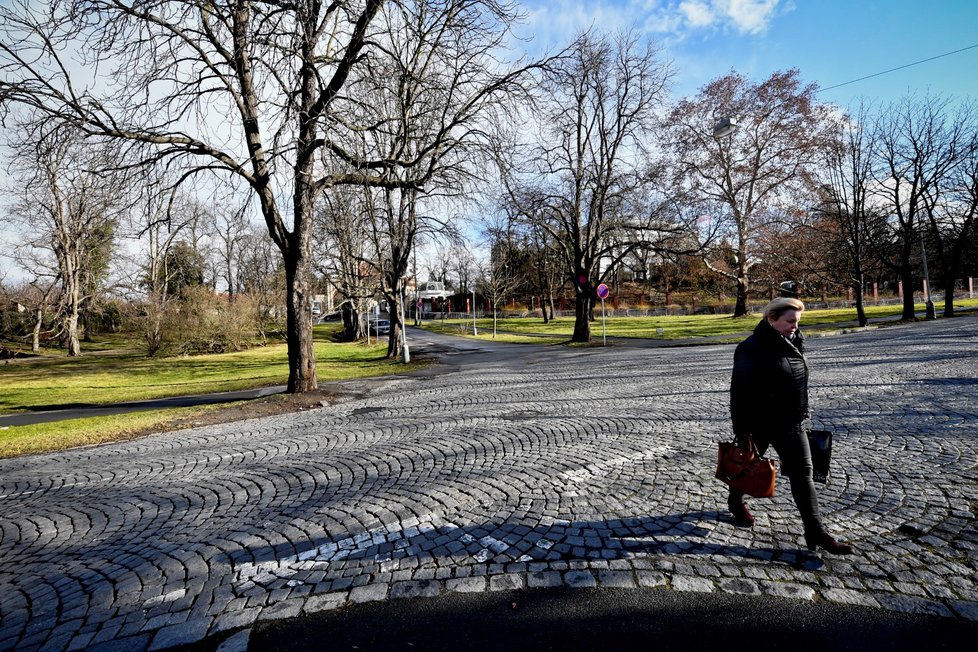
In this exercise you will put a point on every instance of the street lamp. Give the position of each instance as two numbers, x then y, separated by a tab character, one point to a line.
417	295
405	353
930	313
475	331
724	127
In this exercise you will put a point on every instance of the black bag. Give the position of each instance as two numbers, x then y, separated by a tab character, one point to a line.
820	441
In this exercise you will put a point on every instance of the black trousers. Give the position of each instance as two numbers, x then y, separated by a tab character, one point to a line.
796	462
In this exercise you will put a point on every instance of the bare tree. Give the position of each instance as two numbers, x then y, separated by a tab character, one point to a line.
438	265
848	200
36	297
262	280
393	226
916	152
757	173
428	101
345	257
69	207
161	221
231	227
541	256
546	263
497	276
463	265
951	205
280	71
597	108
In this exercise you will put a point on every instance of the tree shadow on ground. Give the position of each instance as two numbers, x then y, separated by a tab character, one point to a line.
507	545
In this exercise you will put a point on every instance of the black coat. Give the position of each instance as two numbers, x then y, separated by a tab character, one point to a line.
769	385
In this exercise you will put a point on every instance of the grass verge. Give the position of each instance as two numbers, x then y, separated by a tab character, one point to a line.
60	435
533	330
59	382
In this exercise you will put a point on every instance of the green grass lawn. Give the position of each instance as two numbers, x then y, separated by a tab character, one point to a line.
533	330
114	371
56	381
61	435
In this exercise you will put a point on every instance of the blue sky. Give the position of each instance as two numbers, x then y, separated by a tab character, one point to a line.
829	41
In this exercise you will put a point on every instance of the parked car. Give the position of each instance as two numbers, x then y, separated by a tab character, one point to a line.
380	327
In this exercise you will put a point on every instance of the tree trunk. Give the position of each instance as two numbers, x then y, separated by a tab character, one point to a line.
298	325
909	311
582	312
493	320
860	308
352	327
742	306
153	332
394	339
230	280
70	323
70	326
949	300
85	327
36	334
949	272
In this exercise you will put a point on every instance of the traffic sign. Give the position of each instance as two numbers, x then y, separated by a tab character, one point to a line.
603	291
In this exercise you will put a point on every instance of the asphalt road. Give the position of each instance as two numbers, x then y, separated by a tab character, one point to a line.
82	411
559	620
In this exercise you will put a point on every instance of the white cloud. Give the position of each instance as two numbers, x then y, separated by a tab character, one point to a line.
748	16
552	23
743	16
697	13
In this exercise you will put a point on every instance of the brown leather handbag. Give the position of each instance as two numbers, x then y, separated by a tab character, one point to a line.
743	469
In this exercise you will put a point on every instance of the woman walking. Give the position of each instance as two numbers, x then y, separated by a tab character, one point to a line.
769	402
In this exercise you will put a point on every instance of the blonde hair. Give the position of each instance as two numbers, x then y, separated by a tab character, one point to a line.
781	305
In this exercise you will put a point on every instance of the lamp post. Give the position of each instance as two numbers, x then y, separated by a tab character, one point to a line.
724	127
405	353
417	295
929	305
475	331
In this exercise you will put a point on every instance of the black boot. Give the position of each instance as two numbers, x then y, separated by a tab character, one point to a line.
742	515
822	539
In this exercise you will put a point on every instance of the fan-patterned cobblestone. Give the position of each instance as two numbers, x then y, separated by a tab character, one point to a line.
569	467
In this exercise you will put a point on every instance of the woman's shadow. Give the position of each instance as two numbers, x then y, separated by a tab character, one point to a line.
683	534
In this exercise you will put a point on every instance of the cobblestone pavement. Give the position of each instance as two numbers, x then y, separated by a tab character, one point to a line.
572	467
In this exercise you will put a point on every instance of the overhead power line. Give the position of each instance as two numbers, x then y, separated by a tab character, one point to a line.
877	74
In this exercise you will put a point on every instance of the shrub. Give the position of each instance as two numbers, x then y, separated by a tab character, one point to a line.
199	322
